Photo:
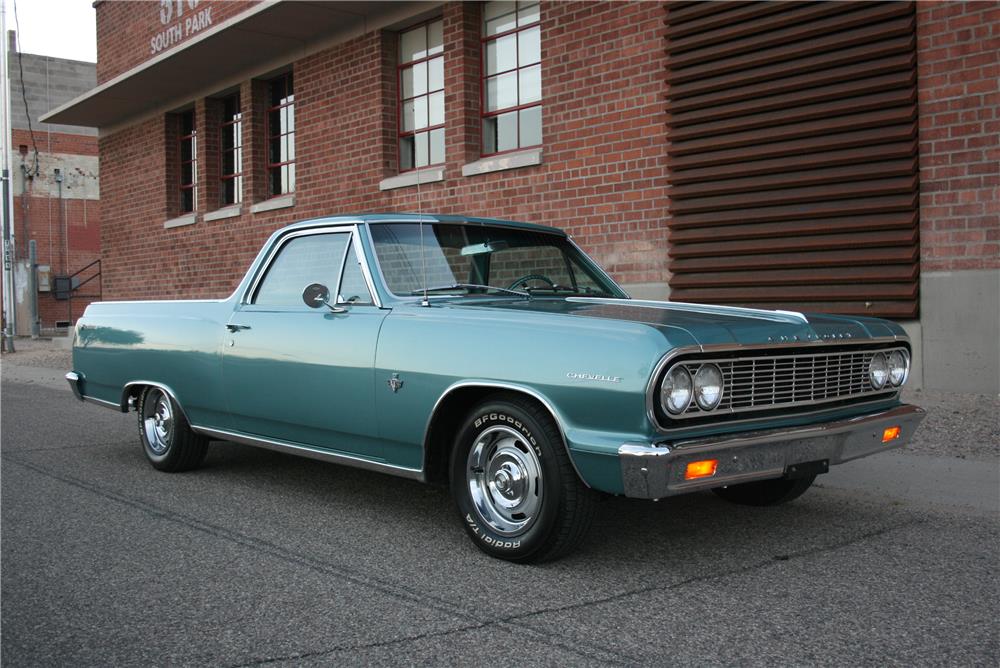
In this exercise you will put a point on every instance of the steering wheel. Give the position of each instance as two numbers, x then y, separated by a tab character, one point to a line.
532	277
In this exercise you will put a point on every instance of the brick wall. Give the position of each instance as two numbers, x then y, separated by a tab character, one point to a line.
67	241
66	232
126	27
603	176
958	67
56	142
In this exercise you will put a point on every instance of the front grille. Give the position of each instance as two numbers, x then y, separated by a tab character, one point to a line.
789	380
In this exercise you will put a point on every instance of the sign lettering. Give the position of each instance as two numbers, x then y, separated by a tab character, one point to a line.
183	27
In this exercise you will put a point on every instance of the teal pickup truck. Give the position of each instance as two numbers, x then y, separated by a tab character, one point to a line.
497	358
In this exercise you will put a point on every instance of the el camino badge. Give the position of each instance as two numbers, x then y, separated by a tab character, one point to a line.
394	383
594	376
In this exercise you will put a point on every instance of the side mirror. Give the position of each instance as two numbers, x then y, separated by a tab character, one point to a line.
317	295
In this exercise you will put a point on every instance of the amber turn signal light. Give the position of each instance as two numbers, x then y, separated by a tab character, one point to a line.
703	469
890	434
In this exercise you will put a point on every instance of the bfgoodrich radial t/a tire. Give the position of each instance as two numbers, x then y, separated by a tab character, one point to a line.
166	436
514	485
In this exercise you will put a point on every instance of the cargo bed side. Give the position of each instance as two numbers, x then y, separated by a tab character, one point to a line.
174	344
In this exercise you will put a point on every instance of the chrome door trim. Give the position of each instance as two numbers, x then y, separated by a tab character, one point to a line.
359	252
502	386
310	452
348	228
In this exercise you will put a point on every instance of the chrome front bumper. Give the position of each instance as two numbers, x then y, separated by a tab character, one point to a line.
655	471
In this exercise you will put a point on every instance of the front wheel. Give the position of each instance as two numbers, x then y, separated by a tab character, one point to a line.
166	437
766	492
514	485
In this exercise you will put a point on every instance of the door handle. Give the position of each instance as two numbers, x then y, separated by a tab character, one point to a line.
236	328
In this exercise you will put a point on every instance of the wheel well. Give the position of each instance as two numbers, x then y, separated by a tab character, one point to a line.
448	416
134	390
129	393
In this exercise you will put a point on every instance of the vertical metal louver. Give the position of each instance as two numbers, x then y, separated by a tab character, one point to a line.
793	155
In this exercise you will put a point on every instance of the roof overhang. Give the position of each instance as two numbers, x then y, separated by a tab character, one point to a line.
264	37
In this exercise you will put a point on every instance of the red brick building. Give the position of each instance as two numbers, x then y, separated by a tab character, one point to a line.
56	190
818	156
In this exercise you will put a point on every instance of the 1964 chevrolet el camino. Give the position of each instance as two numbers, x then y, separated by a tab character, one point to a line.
498	358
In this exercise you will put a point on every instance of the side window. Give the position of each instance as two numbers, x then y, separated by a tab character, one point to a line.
301	262
353	289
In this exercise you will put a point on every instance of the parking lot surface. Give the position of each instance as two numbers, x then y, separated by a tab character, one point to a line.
260	558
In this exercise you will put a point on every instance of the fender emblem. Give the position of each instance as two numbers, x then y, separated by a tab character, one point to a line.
593	376
394	383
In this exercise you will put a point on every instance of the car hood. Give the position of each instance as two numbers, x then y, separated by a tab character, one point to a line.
709	325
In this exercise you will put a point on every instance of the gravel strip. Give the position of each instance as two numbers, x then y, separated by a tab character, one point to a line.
46	353
957	425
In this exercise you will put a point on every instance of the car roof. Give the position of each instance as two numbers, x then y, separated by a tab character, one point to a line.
381	218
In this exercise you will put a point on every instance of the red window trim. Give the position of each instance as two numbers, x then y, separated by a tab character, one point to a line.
271	166
400	100
484	114
223	177
192	137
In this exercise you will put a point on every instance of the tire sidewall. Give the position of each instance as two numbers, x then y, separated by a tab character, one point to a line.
514	548
162	460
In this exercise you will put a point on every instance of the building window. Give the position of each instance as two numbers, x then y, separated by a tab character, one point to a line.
281	136
421	96
188	153
512	76
231	151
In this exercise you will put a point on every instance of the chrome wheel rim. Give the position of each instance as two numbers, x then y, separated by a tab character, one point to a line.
158	422
505	481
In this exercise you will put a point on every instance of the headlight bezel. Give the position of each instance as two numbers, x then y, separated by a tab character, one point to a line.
878	358
705	369
667	378
905	357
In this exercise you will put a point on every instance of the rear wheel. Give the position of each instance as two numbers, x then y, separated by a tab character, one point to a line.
517	493
766	492
167	439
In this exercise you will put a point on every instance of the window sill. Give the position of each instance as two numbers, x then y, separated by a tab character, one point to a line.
181	221
407	179
226	212
499	163
282	202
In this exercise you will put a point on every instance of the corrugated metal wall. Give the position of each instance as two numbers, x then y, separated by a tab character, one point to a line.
793	155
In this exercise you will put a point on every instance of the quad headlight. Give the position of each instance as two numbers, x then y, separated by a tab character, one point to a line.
708	387
675	392
899	367
878	371
679	388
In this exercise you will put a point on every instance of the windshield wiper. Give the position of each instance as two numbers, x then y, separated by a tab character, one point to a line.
455	286
568	290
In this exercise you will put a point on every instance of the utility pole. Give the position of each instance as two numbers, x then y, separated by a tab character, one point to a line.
9	306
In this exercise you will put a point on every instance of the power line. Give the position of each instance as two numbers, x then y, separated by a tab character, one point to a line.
24	95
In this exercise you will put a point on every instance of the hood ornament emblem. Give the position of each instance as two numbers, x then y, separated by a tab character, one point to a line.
394	383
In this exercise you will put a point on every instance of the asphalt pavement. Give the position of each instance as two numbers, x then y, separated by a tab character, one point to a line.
261	558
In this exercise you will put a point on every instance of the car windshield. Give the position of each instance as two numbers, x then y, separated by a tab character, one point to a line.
482	260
